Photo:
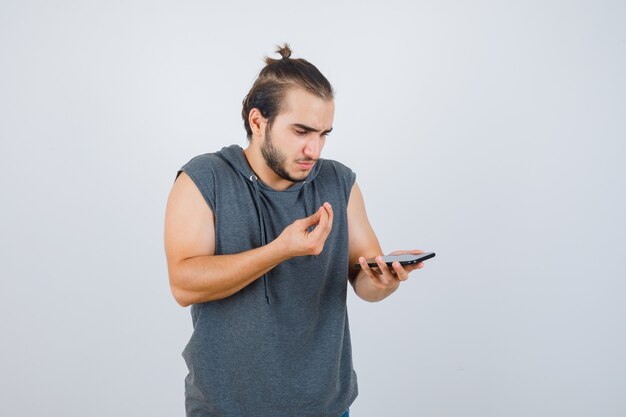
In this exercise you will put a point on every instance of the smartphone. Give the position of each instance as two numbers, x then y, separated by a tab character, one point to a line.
408	259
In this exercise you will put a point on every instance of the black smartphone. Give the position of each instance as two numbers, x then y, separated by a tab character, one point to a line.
408	259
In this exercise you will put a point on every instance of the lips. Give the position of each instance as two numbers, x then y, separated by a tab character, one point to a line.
306	165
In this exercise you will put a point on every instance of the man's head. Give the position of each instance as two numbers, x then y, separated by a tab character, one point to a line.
275	79
288	113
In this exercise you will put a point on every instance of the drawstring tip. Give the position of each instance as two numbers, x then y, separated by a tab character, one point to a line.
267	294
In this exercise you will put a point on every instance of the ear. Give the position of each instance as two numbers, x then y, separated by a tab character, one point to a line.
257	123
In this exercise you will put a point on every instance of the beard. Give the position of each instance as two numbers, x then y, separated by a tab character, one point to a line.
274	159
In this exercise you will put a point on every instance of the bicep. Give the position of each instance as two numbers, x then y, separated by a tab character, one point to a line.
362	239
189	223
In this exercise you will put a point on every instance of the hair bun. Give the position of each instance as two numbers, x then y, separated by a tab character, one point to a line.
284	51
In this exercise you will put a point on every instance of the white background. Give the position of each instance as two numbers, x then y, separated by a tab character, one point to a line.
490	132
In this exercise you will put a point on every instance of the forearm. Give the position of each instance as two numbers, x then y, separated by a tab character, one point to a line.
208	278
369	291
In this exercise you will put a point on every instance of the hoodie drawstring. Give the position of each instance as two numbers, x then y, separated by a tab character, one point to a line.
257	197
309	206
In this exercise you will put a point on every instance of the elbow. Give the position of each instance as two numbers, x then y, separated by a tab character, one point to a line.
186	292
179	286
186	296
182	300
181	296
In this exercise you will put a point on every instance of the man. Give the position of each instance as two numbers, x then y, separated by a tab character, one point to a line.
261	243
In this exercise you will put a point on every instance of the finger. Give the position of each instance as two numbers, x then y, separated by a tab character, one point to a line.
313	219
322	225
326	217
386	277
325	224
372	274
328	226
377	278
329	209
370	270
401	273
365	266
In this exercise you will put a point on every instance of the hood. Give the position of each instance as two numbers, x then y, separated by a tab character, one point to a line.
235	157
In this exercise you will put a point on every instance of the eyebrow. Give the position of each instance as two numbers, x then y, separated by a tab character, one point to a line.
311	129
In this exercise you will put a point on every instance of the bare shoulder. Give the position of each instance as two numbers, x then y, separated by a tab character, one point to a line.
189	222
356	205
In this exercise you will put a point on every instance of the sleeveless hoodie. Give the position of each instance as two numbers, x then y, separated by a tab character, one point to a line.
280	347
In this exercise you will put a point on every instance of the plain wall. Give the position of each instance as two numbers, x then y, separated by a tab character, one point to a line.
492	133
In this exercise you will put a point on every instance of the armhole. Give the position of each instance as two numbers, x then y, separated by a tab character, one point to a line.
351	180
199	185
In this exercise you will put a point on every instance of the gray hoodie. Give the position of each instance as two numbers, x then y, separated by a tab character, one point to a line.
279	347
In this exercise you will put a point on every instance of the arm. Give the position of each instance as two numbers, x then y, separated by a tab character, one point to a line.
197	275
370	285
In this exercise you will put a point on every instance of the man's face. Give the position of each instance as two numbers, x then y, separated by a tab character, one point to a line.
293	144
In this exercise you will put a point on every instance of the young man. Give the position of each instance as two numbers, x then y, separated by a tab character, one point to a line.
261	243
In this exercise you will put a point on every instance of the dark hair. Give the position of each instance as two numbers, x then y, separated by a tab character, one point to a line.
275	79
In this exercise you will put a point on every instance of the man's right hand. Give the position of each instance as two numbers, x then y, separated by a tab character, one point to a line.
298	240
197	275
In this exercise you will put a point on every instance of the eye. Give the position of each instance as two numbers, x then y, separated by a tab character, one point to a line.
301	132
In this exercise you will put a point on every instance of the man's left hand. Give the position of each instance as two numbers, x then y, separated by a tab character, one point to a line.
389	278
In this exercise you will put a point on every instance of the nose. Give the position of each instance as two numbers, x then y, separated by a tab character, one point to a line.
313	148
